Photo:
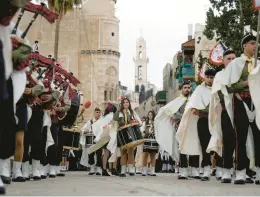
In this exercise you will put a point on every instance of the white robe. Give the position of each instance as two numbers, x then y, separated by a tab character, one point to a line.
82	142
230	75
187	134
164	129
101	131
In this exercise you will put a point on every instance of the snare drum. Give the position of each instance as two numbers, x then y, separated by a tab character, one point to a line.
129	137
90	140
151	145
70	139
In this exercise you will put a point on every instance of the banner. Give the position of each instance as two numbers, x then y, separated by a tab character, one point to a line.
216	54
256	4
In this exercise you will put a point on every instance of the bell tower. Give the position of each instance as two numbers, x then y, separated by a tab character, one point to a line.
141	62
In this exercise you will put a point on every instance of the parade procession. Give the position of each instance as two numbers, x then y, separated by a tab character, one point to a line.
64	114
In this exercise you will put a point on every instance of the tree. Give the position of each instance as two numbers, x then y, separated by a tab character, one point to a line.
61	7
227	19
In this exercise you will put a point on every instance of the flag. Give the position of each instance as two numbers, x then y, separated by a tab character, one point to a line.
216	54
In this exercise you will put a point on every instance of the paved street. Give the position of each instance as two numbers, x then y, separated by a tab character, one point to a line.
79	183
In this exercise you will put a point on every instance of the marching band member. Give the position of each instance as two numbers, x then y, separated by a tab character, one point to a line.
87	139
125	116
193	133
167	121
101	131
238	85
227	131
111	109
149	134
7	131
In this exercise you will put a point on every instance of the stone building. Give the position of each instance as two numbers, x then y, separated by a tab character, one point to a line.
202	44
88	47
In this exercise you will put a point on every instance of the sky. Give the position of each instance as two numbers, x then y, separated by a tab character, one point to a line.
164	25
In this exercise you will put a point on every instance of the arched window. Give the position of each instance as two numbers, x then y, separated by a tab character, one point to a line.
105	95
140	55
115	94
140	76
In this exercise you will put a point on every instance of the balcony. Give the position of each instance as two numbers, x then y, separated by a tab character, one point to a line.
188	73
161	98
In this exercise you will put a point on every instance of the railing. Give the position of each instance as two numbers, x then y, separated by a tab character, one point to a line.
145	96
161	97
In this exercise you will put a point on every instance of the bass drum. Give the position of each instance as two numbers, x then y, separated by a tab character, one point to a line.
71	116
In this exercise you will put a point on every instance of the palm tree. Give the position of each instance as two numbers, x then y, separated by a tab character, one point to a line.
61	7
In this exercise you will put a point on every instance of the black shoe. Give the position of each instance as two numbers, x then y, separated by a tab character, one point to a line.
122	175
98	174
196	177
138	173
19	179
249	180
28	179
205	178
43	177
131	174
91	173
143	174
2	190
257	182
36	178
6	180
218	178
214	172
182	178
239	182
52	176
225	180
114	172
153	175
105	173
60	174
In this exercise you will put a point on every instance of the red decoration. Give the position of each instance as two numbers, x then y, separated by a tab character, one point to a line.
87	104
122	97
49	15
133	121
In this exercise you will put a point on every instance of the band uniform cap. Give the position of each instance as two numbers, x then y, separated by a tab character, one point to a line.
228	51
247	38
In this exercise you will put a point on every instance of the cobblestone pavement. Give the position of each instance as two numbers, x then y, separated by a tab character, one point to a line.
79	184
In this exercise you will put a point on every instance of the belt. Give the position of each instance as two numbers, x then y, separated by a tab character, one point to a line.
244	95
203	115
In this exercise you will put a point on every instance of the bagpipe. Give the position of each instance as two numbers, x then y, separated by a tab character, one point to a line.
40	69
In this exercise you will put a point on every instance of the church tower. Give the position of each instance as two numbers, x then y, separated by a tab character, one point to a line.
141	62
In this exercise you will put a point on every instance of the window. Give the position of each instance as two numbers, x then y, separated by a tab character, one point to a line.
140	55
115	94
105	95
111	96
140	73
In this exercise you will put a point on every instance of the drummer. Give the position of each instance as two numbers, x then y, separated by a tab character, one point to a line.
95	167
125	116
149	134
